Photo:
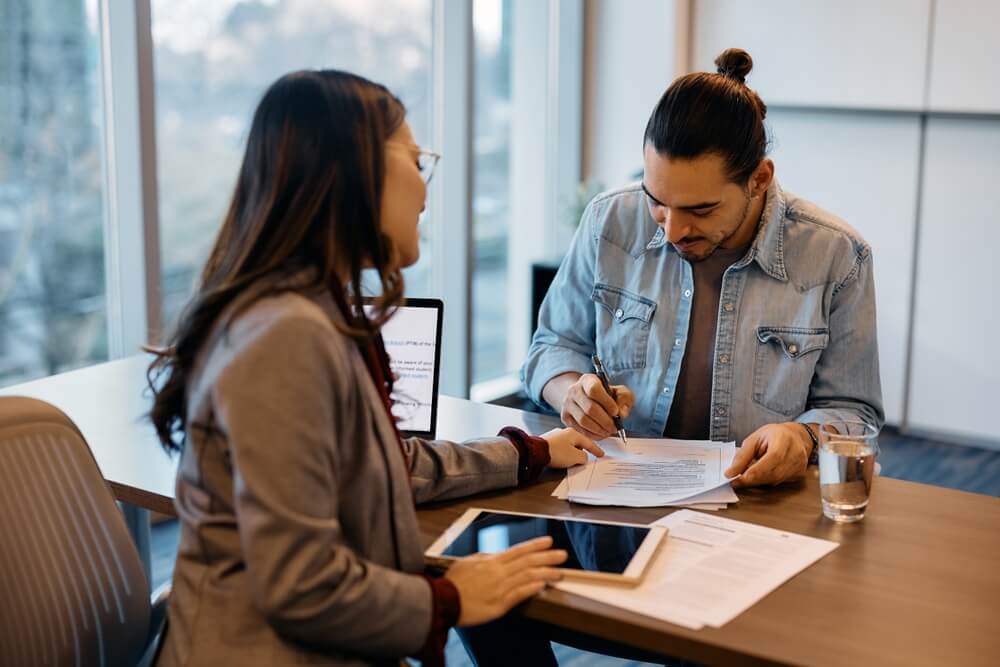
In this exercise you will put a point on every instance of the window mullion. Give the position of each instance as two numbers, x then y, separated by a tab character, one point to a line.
451	191
131	232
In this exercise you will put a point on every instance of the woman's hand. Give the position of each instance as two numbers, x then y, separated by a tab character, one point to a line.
568	447
489	585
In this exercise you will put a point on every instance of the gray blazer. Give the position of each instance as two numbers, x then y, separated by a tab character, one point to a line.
299	541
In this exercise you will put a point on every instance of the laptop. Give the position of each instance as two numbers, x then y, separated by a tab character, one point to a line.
412	338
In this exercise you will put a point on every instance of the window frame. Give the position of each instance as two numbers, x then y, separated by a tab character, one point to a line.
131	229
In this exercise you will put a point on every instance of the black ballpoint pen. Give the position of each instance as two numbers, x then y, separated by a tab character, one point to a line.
603	377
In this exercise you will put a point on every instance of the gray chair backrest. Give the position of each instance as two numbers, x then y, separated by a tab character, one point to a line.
72	588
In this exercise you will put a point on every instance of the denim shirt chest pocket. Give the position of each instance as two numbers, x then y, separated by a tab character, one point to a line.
623	323
783	366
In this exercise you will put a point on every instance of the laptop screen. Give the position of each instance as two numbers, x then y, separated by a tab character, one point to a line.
412	338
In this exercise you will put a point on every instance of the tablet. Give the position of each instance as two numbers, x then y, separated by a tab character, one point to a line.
601	550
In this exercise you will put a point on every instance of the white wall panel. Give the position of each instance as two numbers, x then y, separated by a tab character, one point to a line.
848	53
964	75
628	63
957	312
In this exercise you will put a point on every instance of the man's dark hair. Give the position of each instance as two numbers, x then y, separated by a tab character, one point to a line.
712	113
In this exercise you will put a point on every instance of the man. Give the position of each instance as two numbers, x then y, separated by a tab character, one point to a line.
723	307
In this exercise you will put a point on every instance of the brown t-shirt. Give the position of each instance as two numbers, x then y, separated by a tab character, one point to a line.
689	413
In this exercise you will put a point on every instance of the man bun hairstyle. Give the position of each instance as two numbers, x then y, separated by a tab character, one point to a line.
734	64
717	113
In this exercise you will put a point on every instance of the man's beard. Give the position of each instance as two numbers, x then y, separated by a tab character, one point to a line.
743	219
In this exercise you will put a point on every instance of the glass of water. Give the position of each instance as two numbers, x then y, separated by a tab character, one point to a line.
847	451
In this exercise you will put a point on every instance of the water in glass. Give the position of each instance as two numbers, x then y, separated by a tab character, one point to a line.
846	468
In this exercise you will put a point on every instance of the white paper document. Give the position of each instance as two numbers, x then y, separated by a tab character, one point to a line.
716	499
709	570
653	473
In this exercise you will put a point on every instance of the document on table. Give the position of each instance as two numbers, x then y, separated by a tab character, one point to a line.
716	499
653	473
709	570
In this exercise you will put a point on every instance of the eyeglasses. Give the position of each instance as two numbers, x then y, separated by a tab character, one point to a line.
426	160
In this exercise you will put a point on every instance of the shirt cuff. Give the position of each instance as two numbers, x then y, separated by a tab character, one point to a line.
444	616
555	360
532	453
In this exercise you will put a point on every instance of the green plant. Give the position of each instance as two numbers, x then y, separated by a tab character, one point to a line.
585	191
577	203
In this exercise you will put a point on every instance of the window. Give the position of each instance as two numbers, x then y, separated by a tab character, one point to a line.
53	315
529	58
213	61
491	192
79	277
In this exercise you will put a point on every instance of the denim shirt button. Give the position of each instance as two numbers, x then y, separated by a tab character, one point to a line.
720	411
724	358
619	314
793	348
728	307
666	390
677	342
687	293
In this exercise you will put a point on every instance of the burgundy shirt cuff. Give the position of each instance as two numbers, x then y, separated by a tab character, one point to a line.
444	616
532	453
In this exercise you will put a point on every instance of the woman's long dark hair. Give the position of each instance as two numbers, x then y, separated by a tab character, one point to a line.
307	202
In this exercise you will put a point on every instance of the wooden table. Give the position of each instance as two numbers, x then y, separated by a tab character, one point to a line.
915	583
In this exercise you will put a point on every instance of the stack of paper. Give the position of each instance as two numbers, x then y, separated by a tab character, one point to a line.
653	473
709	570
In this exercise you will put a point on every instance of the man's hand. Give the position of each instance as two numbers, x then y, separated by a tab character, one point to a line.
772	454
584	405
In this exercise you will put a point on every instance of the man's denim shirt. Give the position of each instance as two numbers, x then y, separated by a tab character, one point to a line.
796	334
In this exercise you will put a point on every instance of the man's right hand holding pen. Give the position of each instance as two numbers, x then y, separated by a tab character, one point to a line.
585	406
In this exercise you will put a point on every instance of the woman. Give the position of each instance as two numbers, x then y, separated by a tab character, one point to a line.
299	539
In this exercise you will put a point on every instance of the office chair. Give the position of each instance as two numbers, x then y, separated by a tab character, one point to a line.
72	588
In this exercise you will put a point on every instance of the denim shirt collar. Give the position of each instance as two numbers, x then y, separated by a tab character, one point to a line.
767	248
768	245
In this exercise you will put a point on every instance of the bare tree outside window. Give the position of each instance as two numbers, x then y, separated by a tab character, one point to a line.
52	280
212	63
